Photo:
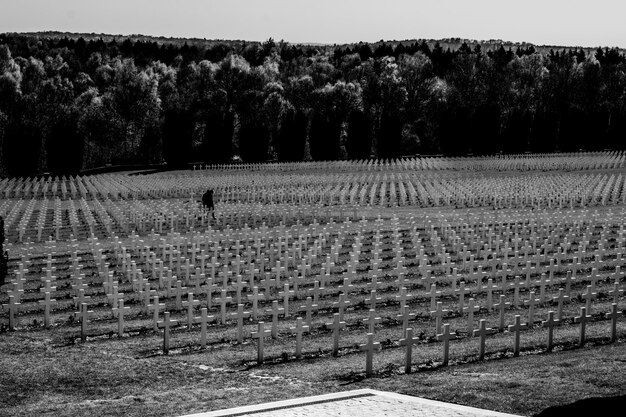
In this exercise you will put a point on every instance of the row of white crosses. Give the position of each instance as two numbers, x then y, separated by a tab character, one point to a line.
515	162
470	262
109	218
558	190
180	215
340	303
563	189
116	186
504	268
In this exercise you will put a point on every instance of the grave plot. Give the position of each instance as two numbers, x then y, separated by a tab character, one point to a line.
440	287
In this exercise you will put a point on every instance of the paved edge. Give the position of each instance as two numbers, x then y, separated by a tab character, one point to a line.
300	402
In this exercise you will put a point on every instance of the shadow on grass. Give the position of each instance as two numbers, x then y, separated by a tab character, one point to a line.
587	407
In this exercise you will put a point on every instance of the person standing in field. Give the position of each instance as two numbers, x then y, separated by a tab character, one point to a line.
207	202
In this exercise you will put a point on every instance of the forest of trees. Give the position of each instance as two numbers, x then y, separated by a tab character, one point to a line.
68	104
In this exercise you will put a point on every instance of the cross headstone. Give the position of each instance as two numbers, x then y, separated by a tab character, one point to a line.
433	295
204	319
239	286
190	303
490	288
47	302
408	341
369	348
318	290
255	298
261	334
286	294
446	336
594	277
531	309
155	307
309	308
589	295
516	328
501	306
346	287
13	311
613	315
275	312
341	305
516	290
483	331
470	309
582	319
461	291
550	324
224	300
299	330
372	300
439	313
405	316
84	317
180	290
371	321
569	280
616	292
81	298
561	298
166	323
240	315
402	298
336	327
120	316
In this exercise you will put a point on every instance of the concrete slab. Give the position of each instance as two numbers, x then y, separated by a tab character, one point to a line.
363	402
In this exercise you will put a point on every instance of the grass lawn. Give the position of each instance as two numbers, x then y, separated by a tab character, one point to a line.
44	374
49	372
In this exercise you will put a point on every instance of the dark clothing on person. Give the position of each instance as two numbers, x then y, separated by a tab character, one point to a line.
207	200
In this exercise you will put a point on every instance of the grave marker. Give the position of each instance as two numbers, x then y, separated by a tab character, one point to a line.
439	313
275	312
224	300
120	316
369	348
471	309
166	323
84	317
550	324
204	319
531	309
190	303
446	336
260	334
516	328
298	330
255	298
408	341
483	331
240	315
613	315
501	306
336	327
155	307
47	302
309	308
589	295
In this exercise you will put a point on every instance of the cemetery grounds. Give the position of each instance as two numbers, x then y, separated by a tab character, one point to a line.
507	271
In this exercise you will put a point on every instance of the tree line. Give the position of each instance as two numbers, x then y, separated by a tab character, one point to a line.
72	104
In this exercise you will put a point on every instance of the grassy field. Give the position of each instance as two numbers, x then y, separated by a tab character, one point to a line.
45	374
51	372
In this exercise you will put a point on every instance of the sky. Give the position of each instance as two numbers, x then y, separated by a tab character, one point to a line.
541	22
